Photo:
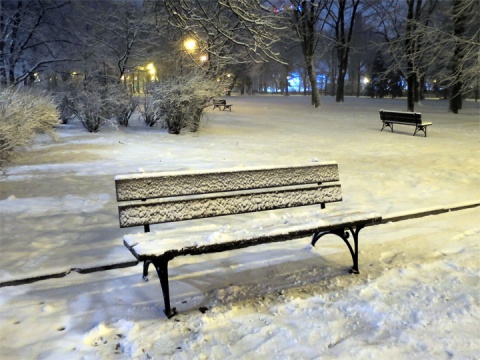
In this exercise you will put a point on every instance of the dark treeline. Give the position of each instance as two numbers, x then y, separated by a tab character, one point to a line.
318	47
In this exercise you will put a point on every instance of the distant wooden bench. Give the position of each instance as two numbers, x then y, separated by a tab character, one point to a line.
181	197
222	105
404	118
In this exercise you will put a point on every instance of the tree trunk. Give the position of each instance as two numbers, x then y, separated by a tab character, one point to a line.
421	89
304	82
416	89
410	53
3	73
312	76
458	31
343	48
342	59
411	91
305	17
13	45
359	83
340	93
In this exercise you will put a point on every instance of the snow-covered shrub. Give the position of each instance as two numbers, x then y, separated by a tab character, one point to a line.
64	94
130	104
97	104
65	107
23	115
91	110
182	100
150	114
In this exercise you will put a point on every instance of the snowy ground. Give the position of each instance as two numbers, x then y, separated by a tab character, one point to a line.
417	295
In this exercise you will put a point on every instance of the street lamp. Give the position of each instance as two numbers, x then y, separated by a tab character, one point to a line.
152	71
190	44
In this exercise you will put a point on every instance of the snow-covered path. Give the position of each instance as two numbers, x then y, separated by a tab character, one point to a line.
61	199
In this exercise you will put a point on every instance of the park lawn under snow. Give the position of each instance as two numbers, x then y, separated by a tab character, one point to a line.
417	295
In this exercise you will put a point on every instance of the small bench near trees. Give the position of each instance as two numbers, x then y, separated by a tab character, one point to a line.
160	198
404	118
222	105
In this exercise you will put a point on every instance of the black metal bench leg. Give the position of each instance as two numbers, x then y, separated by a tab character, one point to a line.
387	124
161	265
354	252
344	235
146	264
421	128
424	128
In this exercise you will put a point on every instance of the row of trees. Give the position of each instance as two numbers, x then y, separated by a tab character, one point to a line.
387	41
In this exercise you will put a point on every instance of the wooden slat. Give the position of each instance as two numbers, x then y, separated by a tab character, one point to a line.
154	185
167	210
400	116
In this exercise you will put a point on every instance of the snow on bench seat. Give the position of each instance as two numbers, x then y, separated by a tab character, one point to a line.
196	239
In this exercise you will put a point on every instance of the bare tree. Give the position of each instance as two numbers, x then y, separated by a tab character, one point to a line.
461	12
343	15
253	25
33	36
441	40
120	35
363	50
309	21
226	31
409	47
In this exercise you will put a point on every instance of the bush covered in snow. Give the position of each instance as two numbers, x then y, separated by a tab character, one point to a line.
129	104
182	99
65	107
23	115
97	104
150	114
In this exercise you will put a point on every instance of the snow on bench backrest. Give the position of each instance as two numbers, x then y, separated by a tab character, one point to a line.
191	195
155	185
198	207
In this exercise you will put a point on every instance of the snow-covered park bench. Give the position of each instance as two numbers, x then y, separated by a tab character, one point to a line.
222	105
404	118
177	200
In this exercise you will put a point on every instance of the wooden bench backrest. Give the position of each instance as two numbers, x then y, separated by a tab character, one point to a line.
174	196
401	116
220	102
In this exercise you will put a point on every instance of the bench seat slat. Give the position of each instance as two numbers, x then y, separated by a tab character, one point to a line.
153	185
173	209
407	123
205	238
